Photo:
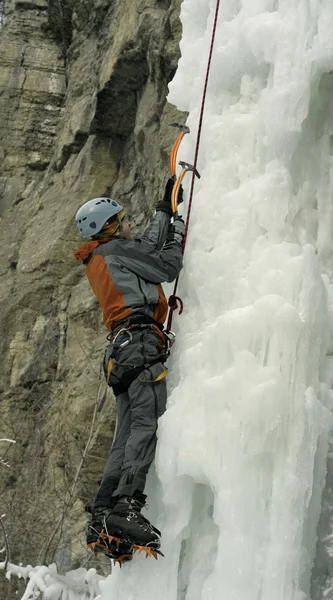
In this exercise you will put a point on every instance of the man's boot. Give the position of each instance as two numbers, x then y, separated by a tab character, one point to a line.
99	541
127	523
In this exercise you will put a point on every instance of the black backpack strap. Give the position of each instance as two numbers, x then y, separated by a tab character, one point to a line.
87	261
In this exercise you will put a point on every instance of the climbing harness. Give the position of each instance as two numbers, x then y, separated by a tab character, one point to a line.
125	328
174	301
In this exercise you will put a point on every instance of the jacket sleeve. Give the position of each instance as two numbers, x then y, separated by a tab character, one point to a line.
155	267
155	235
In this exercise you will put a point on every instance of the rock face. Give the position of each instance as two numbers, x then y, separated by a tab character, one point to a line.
32	84
83	112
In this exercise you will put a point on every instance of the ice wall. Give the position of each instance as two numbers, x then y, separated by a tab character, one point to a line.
241	461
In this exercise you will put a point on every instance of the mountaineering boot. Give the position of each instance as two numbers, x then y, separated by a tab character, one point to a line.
99	541
127	523
95	526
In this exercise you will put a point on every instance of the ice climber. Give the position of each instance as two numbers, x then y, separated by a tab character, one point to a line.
126	277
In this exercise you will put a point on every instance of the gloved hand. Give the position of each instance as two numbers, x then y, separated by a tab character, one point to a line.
165	204
176	231
180	195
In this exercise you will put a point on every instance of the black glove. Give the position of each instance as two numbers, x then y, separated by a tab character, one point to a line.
176	231
165	204
180	195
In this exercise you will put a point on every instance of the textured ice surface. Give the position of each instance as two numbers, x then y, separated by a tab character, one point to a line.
243	445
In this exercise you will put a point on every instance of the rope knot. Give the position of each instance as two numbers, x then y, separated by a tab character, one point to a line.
175	302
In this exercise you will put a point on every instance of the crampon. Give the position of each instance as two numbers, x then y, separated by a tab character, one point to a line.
120	550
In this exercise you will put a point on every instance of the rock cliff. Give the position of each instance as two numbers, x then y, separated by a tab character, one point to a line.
83	112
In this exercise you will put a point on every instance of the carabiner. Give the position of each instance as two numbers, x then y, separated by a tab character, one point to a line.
126	342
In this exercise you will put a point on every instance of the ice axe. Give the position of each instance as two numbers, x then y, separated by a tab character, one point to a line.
173	156
174	198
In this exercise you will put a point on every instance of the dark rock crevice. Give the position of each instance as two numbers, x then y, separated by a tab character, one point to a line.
117	101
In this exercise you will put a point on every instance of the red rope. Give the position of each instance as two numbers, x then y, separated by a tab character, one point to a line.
173	300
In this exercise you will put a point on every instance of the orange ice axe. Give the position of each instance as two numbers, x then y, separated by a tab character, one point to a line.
173	156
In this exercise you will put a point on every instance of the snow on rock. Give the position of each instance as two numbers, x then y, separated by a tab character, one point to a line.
45	582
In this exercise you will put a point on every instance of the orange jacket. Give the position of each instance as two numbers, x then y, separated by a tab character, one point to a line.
126	275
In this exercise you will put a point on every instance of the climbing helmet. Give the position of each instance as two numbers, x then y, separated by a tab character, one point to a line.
91	217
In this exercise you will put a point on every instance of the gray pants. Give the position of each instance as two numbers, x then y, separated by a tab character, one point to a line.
141	400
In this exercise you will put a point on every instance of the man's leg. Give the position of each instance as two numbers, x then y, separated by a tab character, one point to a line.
147	395
147	400
112	470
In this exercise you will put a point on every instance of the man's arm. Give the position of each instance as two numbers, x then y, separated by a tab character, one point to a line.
155	235
155	267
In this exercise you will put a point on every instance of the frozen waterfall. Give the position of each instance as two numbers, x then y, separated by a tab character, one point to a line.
241	461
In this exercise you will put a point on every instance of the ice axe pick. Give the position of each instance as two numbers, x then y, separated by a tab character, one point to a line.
175	190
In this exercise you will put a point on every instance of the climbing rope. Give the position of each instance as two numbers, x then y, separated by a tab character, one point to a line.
174	301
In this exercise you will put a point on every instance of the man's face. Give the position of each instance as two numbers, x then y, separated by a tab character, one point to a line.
126	228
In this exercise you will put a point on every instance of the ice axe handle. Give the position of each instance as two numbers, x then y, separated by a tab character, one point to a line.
188	167
173	156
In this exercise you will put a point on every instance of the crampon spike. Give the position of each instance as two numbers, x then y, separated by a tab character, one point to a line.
147	549
104	544
151	552
101	541
122	559
96	547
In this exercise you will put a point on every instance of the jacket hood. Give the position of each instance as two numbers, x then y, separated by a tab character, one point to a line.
86	249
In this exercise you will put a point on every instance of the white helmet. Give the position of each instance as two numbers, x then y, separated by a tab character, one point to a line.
91	217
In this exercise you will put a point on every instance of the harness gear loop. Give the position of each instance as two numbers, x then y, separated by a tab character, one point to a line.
110	366
196	154
160	377
107	379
